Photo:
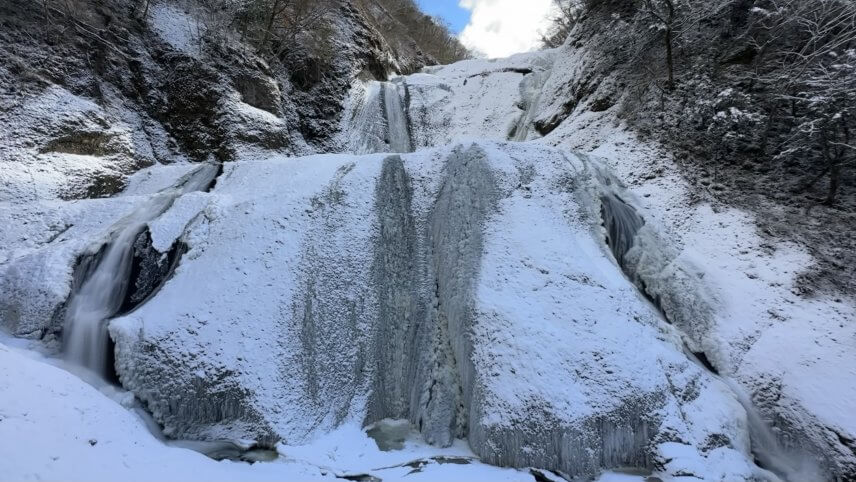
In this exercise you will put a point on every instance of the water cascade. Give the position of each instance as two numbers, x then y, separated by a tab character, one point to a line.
530	96
379	123
398	133
102	292
622	223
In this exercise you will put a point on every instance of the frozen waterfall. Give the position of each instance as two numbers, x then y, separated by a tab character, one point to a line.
398	134
102	292
378	121
622	224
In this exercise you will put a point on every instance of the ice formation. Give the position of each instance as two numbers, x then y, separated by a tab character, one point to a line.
376	119
452	287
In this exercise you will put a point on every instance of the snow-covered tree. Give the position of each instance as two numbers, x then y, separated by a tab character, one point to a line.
563	16
807	61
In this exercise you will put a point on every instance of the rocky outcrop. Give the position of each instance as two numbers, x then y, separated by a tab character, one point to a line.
97	93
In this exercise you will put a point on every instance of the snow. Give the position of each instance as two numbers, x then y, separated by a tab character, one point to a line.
34	170
176	27
273	313
156	178
472	100
790	352
73	431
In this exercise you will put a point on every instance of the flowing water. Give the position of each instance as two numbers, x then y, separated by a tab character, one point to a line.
380	123
793	465
398	133
102	292
622	223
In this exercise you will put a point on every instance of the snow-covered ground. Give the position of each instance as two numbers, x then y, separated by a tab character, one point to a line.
55	426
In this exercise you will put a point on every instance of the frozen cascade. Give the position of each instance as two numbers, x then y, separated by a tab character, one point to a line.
530	95
791	465
622	223
101	294
379	122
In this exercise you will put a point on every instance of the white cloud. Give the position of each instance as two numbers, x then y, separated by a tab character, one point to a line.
499	28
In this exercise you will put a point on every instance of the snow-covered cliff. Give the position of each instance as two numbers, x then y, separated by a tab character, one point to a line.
554	310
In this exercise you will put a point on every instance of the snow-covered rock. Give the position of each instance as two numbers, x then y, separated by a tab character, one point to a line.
470	100
45	250
466	289
735	292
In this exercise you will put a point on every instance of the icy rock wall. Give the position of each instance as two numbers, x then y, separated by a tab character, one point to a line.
425	289
468	195
286	356
401	286
464	289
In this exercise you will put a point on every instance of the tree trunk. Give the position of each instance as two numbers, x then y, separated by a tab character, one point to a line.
834	182
271	18
670	61
670	57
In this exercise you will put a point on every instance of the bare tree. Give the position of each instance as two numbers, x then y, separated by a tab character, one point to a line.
563	18
807	59
665	18
402	23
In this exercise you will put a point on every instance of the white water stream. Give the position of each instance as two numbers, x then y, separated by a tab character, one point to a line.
379	122
398	134
102	292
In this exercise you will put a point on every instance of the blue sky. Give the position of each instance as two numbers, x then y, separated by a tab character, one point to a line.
493	28
449	10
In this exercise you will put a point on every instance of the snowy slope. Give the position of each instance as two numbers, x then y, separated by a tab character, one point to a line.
793	354
58	427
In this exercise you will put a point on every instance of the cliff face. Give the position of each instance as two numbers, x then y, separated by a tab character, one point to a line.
92	91
751	115
494	285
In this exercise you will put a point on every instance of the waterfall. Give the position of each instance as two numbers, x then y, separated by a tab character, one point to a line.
530	95
379	121
398	133
105	283
791	465
622	223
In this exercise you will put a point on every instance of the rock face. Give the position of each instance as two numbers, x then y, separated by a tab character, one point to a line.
465	289
85	112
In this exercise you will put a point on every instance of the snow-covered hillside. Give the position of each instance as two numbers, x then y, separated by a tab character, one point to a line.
448	293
